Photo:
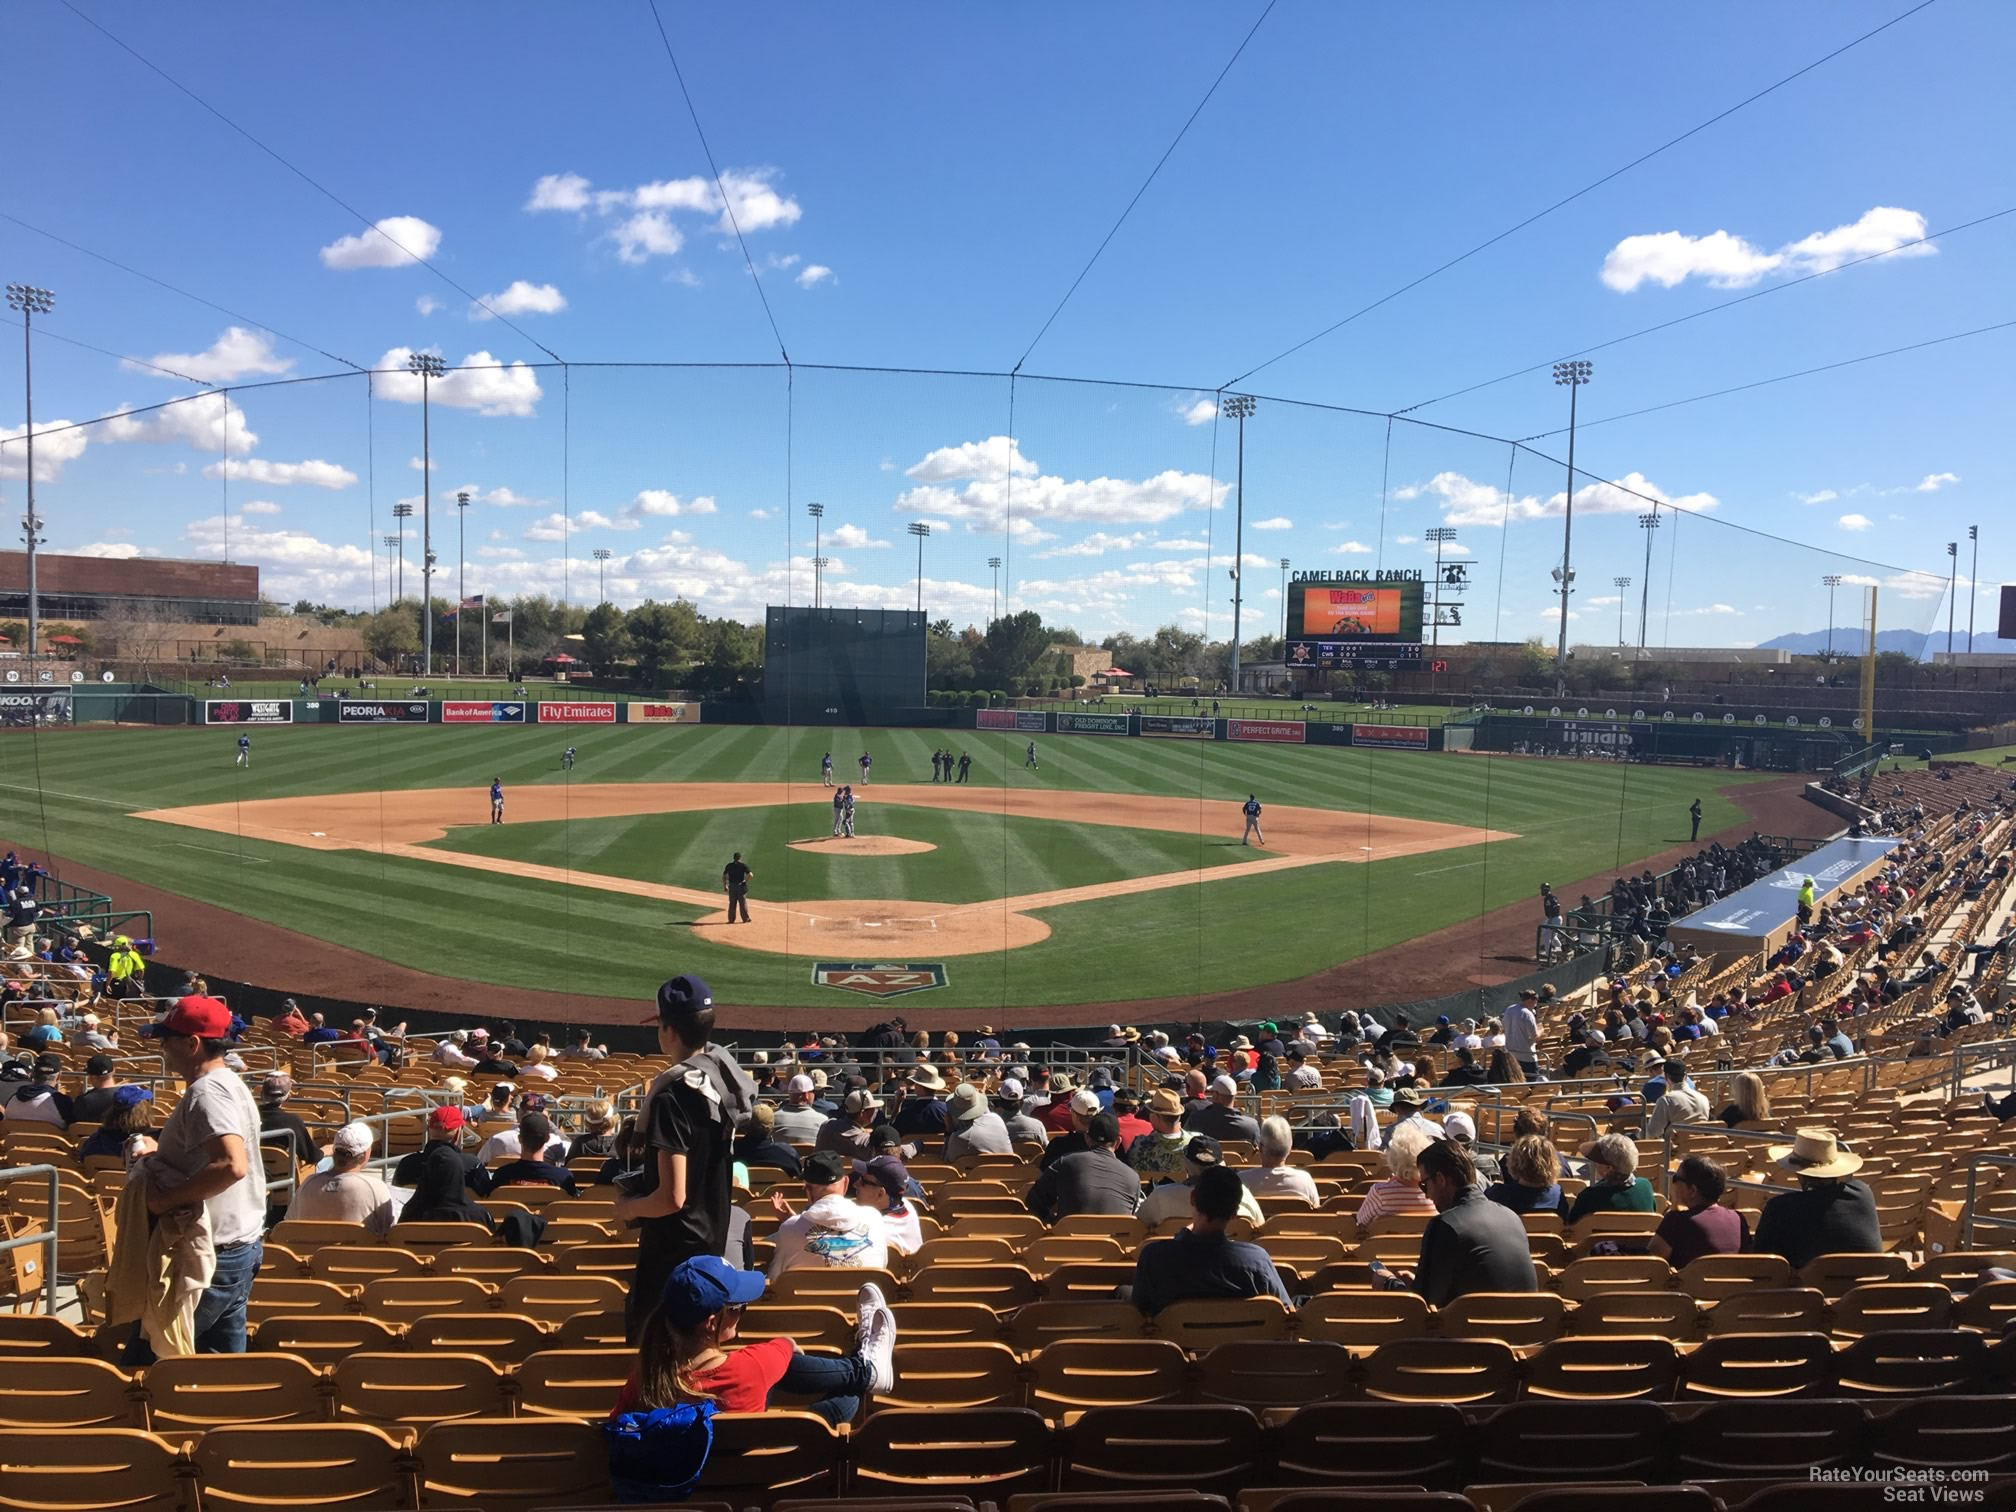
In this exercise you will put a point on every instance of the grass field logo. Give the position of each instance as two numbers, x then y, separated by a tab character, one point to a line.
879	980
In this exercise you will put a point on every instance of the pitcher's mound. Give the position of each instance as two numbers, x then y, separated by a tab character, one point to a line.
862	845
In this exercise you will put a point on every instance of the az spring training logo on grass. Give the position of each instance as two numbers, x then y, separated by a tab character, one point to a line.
872	979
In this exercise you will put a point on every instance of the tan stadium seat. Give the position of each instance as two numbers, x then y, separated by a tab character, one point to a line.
1754	1365
1342	1446
558	1295
1269	1374
282	1298
954	1375
1901	1363
1073	1375
1597	1273
1523	1320
1788	1438
1990	1308
1040	1323
1577	1369
305	1235
956	1251
1213	1447
589	1330
492	1264
34	1336
359	1265
1797	1309
226	1390
98	1469
1464	1371
945	1322
827	1286
1199	1323
431	1238
579	1383
1837	1275
602	1259
760	1457
417	1388
1055	1249
1545	1440
502	1337
998	1451
512	1464
1627	1310
1890	1305
1126	1231
67	1393
324	1338
1088	1280
810	1328
303	1465
1019	1229
1713	1277
1361	1321
1001	1287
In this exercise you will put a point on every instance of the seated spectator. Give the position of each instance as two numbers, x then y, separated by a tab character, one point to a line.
1158	1154
91	1036
1830	1214
439	1175
797	1121
1275	1176
1126	1111
975	1128
1304	1075
1172	1198
1462	1128
597	1139
833	1230
497	1110
683	1356
756	1142
288	1022
444	1132
1465	1072
1400	1194
1698	1225
1532	1180
45	1031
537	1162
509	1144
39	1101
1471	1245
1220	1118
1203	1261
346	1192
275	1116
1022	1129
1091	1180
131	1113
449	1051
922	1112
1082	1107
101	1083
1680	1103
884	1185
1749	1103
580	1046
319	1033
1614	1183
536	1066
1504	1071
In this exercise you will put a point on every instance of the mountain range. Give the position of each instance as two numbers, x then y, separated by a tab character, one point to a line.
1916	644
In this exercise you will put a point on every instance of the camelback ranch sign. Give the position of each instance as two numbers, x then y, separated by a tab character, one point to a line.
879	980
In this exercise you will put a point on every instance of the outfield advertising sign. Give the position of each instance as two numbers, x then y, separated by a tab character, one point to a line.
1278	731
1092	724
26	710
398	711
1181	726
663	713
267	711
1032	720
568	712
1405	737
1599	734
454	711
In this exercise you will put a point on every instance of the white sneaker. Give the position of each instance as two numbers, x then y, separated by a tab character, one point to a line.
875	1336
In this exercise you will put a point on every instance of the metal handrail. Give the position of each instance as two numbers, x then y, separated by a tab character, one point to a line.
48	1238
1723	1131
1969	1219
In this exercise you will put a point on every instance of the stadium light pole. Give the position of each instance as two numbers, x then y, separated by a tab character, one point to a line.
602	555
1973	583
818	512
461	570
1649	523
994	565
1833	581
1952	587
1569	375
396	543
1284	611
1621	583
920	530
30	301
1440	535
428	367
818	575
1239	407
401	512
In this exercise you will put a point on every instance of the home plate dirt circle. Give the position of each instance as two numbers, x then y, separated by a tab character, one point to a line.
878	928
862	845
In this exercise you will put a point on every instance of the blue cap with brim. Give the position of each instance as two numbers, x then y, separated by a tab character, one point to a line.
703	1286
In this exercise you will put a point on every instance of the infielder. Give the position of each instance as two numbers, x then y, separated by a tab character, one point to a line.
826	769
245	750
839	802
496	800
1251	809
567	759
1029	760
847	813
867	761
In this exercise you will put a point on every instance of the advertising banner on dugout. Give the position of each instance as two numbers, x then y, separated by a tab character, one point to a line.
569	712
1092	724
1278	731
366	711
457	711
1182	726
248	711
1406	737
1759	917
1032	720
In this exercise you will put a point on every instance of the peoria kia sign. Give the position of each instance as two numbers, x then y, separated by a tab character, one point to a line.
877	979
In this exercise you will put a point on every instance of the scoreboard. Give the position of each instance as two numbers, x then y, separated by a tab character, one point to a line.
1355	619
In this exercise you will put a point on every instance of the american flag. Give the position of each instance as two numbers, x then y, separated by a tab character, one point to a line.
474	601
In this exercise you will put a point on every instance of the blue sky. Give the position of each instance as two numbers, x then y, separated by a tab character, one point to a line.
919	185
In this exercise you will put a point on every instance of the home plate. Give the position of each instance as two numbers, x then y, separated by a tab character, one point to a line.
320	834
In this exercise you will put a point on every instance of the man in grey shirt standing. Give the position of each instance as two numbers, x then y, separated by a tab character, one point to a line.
205	1155
1522	1033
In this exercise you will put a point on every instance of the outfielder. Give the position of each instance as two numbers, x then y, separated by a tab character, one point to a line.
496	800
826	769
867	761
245	750
567	759
1029	760
1251	809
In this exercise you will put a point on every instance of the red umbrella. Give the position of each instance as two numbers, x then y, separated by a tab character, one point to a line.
560	657
1117	672
64	640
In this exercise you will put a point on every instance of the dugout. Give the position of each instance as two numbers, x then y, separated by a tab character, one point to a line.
1759	918
1694	741
841	666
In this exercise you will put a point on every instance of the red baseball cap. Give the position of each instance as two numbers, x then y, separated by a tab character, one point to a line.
202	1016
446	1119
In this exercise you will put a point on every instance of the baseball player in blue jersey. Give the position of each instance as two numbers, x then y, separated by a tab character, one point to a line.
839	802
867	761
1251	809
1029	760
496	800
567	759
826	769
245	750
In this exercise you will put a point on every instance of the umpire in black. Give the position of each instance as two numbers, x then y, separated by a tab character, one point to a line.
735	878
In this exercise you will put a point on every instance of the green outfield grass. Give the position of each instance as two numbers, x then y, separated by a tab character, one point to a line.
69	793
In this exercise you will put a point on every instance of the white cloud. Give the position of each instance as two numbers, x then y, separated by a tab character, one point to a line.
112	551
504	498
417	464
501	553
1004	491
645	235
1279	522
854	538
1406	540
314	474
559	191
816	273
1933	482
293	564
759	514
479	382
1728	261
1605	601
1180	544
521	298
1820	496
260	507
426	304
394	242
238	353
1100	542
1351	548
662	503
207	425
51	451
1468	502
552	527
1199	412
1855	522
594	519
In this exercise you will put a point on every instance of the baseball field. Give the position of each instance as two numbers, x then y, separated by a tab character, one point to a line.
1112	872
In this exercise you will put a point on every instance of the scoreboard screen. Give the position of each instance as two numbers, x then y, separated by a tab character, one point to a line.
1361	624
